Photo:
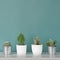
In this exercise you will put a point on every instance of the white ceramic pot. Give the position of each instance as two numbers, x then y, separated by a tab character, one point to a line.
51	50
7	50
37	50
21	50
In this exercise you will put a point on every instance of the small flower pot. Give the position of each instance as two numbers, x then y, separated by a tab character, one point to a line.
37	50
7	50
52	50
21	50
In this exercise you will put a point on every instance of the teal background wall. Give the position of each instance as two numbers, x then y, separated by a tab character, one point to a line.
33	18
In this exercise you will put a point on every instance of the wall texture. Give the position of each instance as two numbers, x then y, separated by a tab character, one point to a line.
33	18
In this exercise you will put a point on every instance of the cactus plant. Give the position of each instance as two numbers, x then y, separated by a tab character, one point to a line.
51	42
37	47
21	47
7	48
21	39
7	43
36	41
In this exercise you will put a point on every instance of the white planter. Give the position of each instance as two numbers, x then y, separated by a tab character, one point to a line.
52	50
37	50
21	50
7	50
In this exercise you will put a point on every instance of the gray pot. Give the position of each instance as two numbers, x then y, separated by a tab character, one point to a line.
7	50
52	50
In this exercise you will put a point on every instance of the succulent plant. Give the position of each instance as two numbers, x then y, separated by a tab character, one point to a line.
51	42
7	43
21	39
36	41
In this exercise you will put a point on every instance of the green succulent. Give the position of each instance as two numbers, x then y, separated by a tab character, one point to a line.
51	42
21	39
7	43
36	41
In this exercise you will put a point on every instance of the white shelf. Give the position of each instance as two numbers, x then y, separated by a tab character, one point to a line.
29	56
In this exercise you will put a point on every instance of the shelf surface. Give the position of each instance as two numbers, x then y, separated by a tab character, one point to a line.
29	56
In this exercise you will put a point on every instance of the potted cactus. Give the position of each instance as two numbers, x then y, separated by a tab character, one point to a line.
7	48
21	47
51	46
37	47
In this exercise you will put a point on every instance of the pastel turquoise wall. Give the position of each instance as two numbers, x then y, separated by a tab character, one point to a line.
33	18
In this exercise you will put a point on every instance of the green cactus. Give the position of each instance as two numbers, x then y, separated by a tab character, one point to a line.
51	42
21	39
7	43
36	41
